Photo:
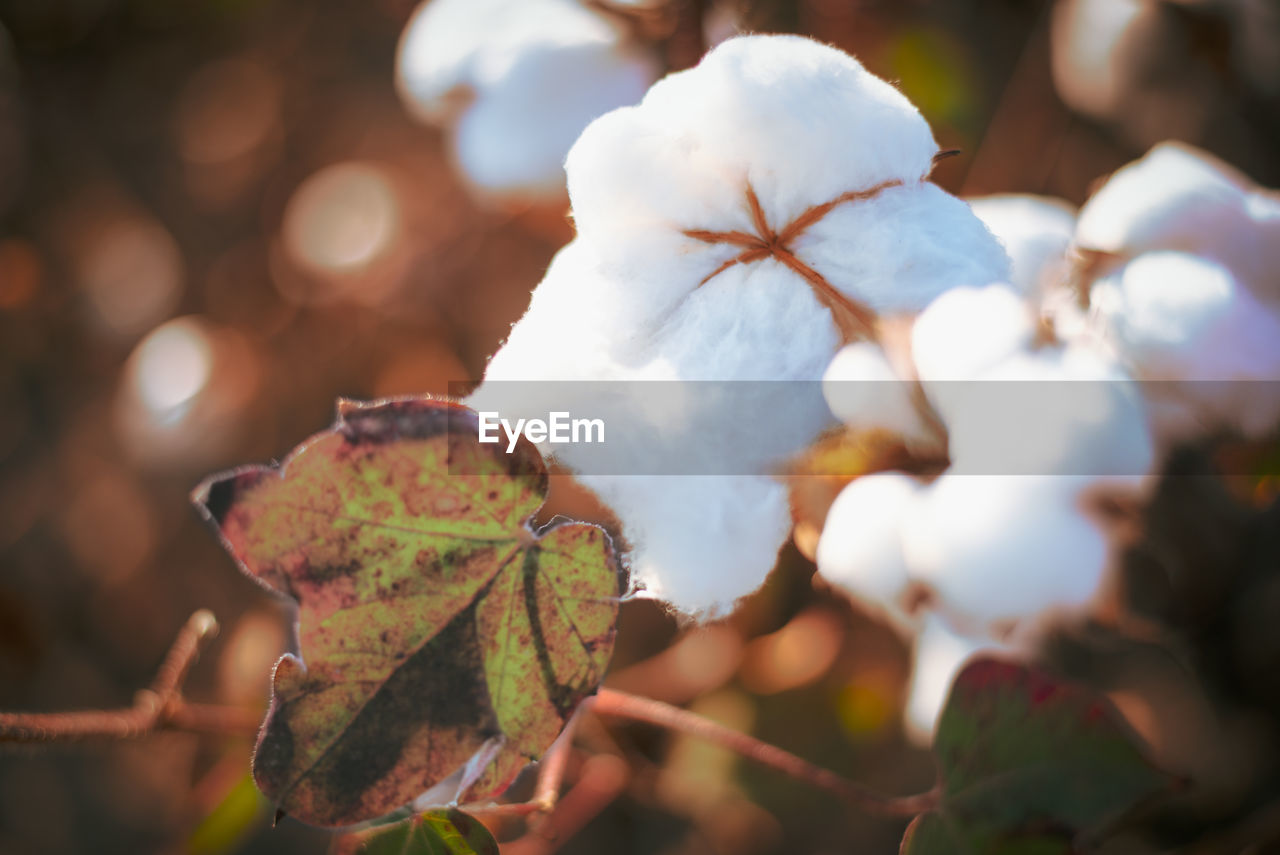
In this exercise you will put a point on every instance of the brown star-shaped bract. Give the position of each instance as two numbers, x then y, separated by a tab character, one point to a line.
855	320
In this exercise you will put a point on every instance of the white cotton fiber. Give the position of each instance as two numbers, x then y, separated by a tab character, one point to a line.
863	391
517	80
861	544
1054	411
1180	198
700	542
940	653
1036	231
633	300
1198	339
801	124
997	548
963	333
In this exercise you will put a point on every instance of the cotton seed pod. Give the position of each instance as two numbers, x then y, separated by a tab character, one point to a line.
740	224
863	391
861	545
1208	348
1036	231
517	81
999	548
1177	197
1061	410
963	333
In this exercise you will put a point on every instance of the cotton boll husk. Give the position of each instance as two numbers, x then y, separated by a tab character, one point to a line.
699	543
802	123
863	391
940	653
1055	411
1179	198
861	544
1186	324
996	548
1036	231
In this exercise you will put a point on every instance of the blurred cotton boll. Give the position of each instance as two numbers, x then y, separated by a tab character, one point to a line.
1179	198
861	545
183	387
1036	231
863	391
1209	348
999	548
516	81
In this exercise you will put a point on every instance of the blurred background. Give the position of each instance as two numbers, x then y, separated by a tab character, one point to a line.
217	216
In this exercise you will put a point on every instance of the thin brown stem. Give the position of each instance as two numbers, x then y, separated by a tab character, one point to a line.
622	705
160	707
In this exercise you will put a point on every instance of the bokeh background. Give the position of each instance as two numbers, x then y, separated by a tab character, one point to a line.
216	217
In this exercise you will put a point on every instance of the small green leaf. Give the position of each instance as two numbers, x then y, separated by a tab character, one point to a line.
444	832
1027	762
440	635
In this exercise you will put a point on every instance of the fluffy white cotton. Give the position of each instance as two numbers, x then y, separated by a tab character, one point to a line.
517	81
963	333
863	391
1180	198
1208	349
998	548
1053	411
1036	231
634	298
861	544
801	124
940	653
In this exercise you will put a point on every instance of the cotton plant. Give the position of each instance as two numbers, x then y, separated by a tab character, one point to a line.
1180	255
1036	231
514	82
1008	538
737	227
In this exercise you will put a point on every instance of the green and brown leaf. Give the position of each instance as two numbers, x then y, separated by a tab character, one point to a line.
445	832
1027	762
439	635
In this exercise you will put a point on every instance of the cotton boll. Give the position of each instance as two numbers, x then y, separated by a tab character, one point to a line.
640	296
1036	231
939	655
1177	198
996	548
864	392
514	136
520	79
699	543
801	124
963	333
1188	326
1055	411
861	544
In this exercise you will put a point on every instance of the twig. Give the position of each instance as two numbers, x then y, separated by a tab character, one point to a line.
622	705
160	707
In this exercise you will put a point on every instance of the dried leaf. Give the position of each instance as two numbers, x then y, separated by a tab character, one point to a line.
439	632
445	832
